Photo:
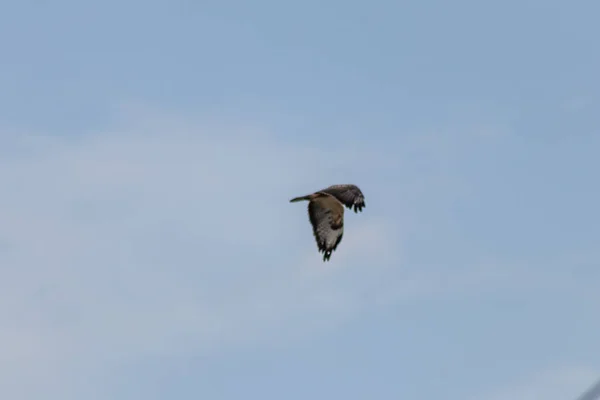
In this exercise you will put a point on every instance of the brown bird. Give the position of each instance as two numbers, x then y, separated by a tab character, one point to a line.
326	214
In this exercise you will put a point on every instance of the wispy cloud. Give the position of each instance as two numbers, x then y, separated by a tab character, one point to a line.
161	238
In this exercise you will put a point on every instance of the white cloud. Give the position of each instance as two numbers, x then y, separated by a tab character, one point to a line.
164	237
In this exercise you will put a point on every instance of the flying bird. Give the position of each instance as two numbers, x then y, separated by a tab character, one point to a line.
326	214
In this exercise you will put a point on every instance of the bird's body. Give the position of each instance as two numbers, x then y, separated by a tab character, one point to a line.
326	214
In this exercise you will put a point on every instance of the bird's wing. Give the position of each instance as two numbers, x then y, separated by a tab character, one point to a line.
326	216
349	195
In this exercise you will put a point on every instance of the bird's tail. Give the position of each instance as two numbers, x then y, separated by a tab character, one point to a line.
297	199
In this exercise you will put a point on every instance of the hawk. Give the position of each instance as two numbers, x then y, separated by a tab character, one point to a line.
326	214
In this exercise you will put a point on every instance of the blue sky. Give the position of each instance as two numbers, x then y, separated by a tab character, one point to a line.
148	151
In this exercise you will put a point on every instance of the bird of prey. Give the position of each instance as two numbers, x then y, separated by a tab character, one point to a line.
326	214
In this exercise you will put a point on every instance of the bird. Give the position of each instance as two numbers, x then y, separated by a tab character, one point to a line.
326	214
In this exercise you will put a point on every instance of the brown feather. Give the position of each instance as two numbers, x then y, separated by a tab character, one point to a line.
349	195
326	214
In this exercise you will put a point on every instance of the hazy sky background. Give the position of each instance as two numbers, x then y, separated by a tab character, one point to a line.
148	151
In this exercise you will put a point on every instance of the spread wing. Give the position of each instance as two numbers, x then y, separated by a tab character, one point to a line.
349	195
326	216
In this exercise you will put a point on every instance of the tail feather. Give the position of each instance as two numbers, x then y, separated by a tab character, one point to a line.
297	199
